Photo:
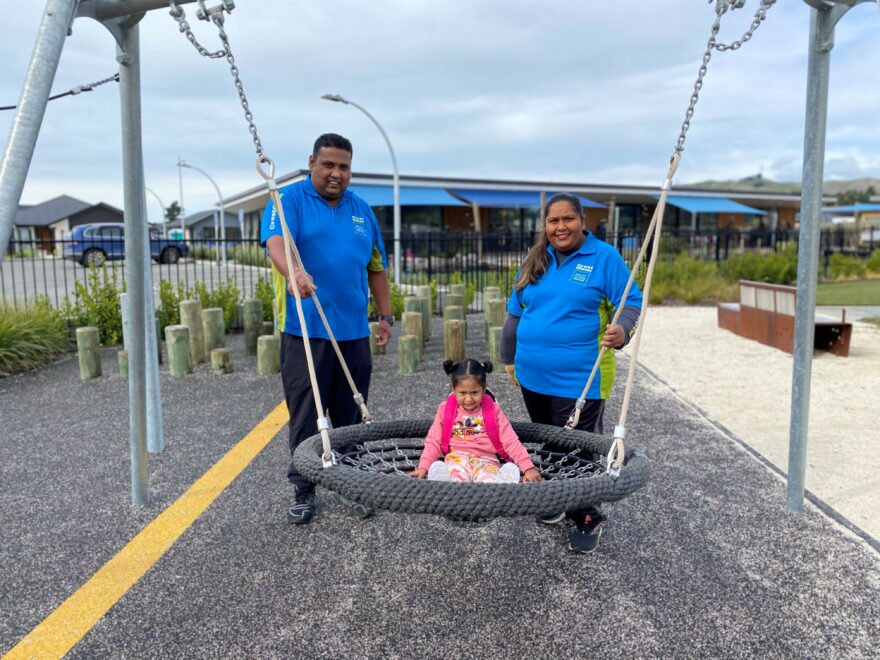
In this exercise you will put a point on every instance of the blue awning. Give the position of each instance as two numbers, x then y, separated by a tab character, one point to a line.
853	208
513	199
710	205
409	196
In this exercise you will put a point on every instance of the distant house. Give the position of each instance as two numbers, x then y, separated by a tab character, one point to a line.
205	226
42	225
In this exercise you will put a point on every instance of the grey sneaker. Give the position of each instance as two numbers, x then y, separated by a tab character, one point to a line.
362	511
585	536
302	509
552	518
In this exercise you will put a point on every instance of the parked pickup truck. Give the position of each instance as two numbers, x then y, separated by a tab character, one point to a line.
96	243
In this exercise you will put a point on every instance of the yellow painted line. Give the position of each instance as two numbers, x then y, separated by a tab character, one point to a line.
62	629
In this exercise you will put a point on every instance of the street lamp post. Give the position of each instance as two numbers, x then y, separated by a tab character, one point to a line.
183	163
396	180
164	227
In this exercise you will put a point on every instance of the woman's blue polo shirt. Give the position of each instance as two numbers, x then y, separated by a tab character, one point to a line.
563	317
337	245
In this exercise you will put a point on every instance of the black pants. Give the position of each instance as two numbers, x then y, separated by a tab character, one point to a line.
554	411
336	395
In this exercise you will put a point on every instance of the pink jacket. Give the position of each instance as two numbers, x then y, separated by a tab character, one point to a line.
469	435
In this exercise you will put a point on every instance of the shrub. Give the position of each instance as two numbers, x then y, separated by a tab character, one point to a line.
203	252
226	296
846	266
872	265
689	280
168	312
775	268
30	336
251	255
263	291
96	303
397	305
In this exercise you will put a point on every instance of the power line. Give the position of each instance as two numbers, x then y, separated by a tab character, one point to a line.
73	91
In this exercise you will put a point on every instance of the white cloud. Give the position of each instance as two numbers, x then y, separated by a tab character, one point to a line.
507	89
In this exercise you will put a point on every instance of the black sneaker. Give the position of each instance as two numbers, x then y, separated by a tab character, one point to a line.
362	511
585	536
302	509
552	518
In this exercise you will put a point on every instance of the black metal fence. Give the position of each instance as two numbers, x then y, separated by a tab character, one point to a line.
39	268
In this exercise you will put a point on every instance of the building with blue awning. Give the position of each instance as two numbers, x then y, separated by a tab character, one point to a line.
451	204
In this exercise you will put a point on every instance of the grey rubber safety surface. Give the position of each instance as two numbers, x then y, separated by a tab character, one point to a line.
702	562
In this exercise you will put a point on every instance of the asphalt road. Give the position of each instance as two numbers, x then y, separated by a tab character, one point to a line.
703	562
23	279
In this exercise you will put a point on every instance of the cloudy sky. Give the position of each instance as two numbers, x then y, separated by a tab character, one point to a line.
542	90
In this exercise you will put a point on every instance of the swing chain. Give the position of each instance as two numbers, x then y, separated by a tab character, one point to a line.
721	8
179	15
215	15
760	15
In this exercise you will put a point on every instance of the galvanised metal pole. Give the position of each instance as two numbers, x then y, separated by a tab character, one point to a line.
819	65
395	181
31	108
222	233
128	56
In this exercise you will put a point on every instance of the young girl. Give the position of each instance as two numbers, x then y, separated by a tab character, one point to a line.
470	433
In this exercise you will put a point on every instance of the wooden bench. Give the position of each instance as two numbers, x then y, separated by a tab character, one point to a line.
765	313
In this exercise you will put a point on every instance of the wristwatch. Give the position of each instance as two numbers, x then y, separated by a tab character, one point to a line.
388	319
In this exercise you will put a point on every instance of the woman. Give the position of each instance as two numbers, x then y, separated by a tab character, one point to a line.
559	314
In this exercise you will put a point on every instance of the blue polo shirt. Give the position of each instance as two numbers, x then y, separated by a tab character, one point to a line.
337	245
563	317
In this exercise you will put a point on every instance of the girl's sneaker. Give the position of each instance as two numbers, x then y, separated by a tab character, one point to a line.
508	474
438	471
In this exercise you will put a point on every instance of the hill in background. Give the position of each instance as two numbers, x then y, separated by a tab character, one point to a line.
759	183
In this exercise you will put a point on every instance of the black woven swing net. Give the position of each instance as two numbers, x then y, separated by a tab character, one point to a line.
374	461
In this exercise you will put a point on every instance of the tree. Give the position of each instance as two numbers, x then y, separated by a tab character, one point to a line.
852	196
172	213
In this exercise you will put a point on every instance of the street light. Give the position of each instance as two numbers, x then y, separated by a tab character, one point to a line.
164	227
396	180
183	163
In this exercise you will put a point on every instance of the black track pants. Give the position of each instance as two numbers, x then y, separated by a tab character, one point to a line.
554	411
336	395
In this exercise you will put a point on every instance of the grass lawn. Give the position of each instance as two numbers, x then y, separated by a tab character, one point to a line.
862	292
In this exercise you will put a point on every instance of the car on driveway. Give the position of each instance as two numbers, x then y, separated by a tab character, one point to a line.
99	242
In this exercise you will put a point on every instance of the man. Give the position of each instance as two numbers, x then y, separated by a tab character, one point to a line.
343	259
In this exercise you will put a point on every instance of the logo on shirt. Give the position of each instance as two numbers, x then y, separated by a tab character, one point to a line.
274	214
581	274
359	225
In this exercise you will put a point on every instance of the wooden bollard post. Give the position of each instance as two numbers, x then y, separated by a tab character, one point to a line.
493	313
453	300
253	321
457	289
416	304
267	328
425	291
221	361
191	317
214	329
412	325
122	356
453	312
88	341
453	339
425	304
495	345
375	349
408	352
177	344
268	355
490	292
